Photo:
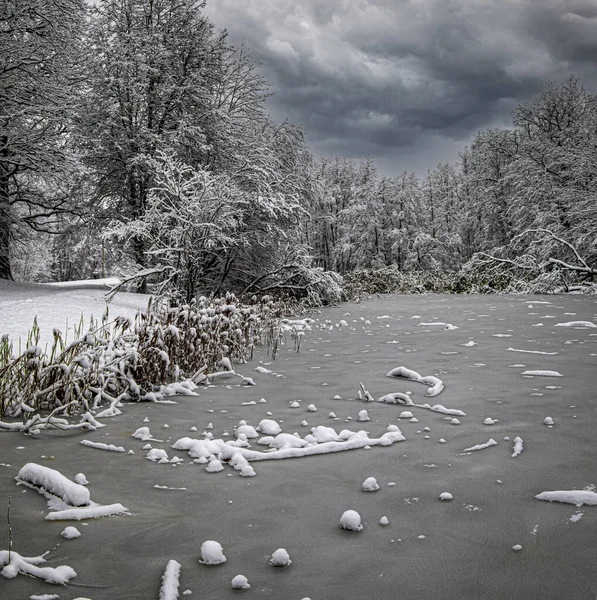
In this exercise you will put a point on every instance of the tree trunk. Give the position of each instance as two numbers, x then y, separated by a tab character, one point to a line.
5	220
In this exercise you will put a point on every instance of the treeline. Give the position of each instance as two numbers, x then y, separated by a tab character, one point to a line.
135	140
518	209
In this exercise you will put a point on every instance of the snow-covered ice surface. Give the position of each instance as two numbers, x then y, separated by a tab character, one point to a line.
297	503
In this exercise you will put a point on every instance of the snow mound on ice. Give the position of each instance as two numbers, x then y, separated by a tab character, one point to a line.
280	558
212	553
268	427
70	533
351	520
240	582
370	485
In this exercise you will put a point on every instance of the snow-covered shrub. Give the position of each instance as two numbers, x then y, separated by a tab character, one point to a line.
392	280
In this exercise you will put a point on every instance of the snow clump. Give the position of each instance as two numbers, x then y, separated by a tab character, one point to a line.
548	421
280	558
406	414
268	427
351	520
370	485
81	479
212	553
214	466
312	408
363	416
240	582
384	521
446	496
70	533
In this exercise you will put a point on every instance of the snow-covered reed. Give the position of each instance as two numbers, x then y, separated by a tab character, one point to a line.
166	350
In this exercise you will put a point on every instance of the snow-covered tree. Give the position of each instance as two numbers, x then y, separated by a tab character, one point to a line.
39	44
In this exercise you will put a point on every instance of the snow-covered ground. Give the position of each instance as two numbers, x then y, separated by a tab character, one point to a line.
447	507
60	306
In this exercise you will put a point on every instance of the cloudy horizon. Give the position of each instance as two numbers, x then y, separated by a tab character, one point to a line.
408	83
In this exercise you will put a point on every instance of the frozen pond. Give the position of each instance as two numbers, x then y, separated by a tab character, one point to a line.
522	369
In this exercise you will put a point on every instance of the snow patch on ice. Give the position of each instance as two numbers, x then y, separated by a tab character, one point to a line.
576	497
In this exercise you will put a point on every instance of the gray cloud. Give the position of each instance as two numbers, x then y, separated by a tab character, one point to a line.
409	82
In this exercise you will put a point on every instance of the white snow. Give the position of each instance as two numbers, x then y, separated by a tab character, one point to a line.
81	479
156	455
438	324
487	444
212	553
542	374
384	521
55	483
70	533
446	496
91	512
490	421
280	558
143	434
370	485
518	443
548	421
312	408
29	566
240	582
102	446
55	305
517	548
436	385
170	581
532	352
576	497
406	414
363	416
214	466
396	398
351	520
268	427
576	324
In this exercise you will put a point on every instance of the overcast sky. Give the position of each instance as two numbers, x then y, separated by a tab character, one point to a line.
409	82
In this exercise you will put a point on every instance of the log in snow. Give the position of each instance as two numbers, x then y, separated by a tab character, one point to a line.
170	581
55	483
576	324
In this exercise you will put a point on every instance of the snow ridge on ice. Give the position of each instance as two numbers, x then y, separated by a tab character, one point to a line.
170	581
576	497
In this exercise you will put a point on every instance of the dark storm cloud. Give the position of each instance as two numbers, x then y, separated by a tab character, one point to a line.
408	83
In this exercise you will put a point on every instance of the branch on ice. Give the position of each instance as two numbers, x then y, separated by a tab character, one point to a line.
436	386
13	564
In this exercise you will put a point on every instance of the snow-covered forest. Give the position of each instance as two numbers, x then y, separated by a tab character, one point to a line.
135	141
